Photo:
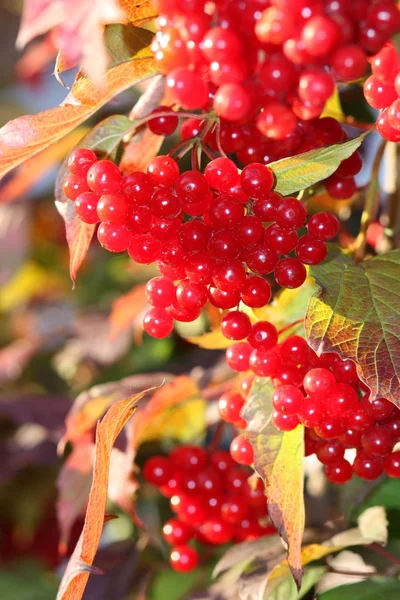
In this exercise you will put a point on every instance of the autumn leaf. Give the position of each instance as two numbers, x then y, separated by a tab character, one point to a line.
26	136
355	315
278	459
127	310
78	29
138	12
303	170
73	485
76	575
104	140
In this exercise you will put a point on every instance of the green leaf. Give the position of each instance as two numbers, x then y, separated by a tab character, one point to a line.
27	581
284	587
104	139
278	459
123	42
300	172
356	315
376	588
387	495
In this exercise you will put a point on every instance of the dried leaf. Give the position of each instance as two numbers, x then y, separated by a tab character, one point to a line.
138	12
78	27
103	139
26	136
278	459
356	316
373	524
345	561
303	170
268	548
77	572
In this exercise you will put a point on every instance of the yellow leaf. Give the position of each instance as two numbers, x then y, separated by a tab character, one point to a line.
308	554
29	281
278	459
213	340
333	107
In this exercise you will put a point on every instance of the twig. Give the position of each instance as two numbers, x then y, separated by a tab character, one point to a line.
290	326
386	553
370	207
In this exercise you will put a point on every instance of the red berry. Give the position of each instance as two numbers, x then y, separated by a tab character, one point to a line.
230	405
232	102
290	213
112	208
320	35
222	461
158	323
276	121
191	296
287	399
283	421
350	166
310	251
157	470
229	275
391	464
265	363
250	231
137	188
187	88
315	87
80	160
380	408
379	441
86	207
114	238
323	226
189	458
163	125
256	180
263	335
238	355
260	259
104	177
379	94
191	186
234	510
221	174
330	428
144	248
339	472
311	412
184	559
319	383
367	467
256	292
290	273
341	400
163	171
176	532
241	450
222	299
294	350
235	325
217	531
74	186
349	62
330	452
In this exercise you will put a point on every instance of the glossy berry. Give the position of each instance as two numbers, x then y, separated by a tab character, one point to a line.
222	299
391	464
191	186
280	240
229	275
137	188
319	383
287	399
184	559
86	207
367	467
294	350
323	226
160	291
341	400
320	35
350	166
378	441
232	102
310	251
378	94
380	408
241	450
80	161
290	213
191	296
255	292
221	174
104	177
290	273
158	322
276	121
163	125
256	180
157	470
349	62
330	452
311	412
235	510
112	208
217	531
283	421
230	405
144	248
235	325
163	171
339	472
340	187
265	363
263	335
189	458
329	428
74	186
114	238
187	88
177	532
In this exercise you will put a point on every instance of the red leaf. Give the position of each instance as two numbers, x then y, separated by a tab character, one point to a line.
76	575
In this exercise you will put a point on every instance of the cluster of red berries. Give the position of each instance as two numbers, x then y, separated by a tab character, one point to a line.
220	253
382	90
267	63
326	396
213	499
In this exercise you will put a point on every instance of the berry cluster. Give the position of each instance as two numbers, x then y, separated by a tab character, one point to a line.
267	64
382	90
213	499
326	396
206	231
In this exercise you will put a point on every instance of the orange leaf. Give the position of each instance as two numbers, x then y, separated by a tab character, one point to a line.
127	310
76	575
33	169
26	136
278	459
138	12
78	27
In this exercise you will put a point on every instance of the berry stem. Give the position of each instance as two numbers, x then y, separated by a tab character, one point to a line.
371	206
218	139
385	553
208	152
196	157
290	326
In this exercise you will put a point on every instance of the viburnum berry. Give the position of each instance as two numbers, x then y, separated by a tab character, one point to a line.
137	188
189	458
234	510
379	409
283	421
157	470
191	296
339	472
391	464
378	441
222	299
349	62
290	213
114	238
287	399
290	273
74	186
163	171
263	335
280	240
319	383
276	121
86	207
160	291
158	322
236	325
249	231
241	450
221	174
329	428
229	275
265	208
256	180
217	531
341	400
144	248
184	559
368	467
187	88
320	35
230	405
323	226
104	177
80	160
238	356
311	412
177	532
330	452
112	208
379	94
310	251
265	363
232	102
255	292
162	125
294	350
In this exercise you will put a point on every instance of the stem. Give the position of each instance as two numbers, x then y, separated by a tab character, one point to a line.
290	326
371	207
208	152
218	139
355	573
386	553
195	157
391	217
